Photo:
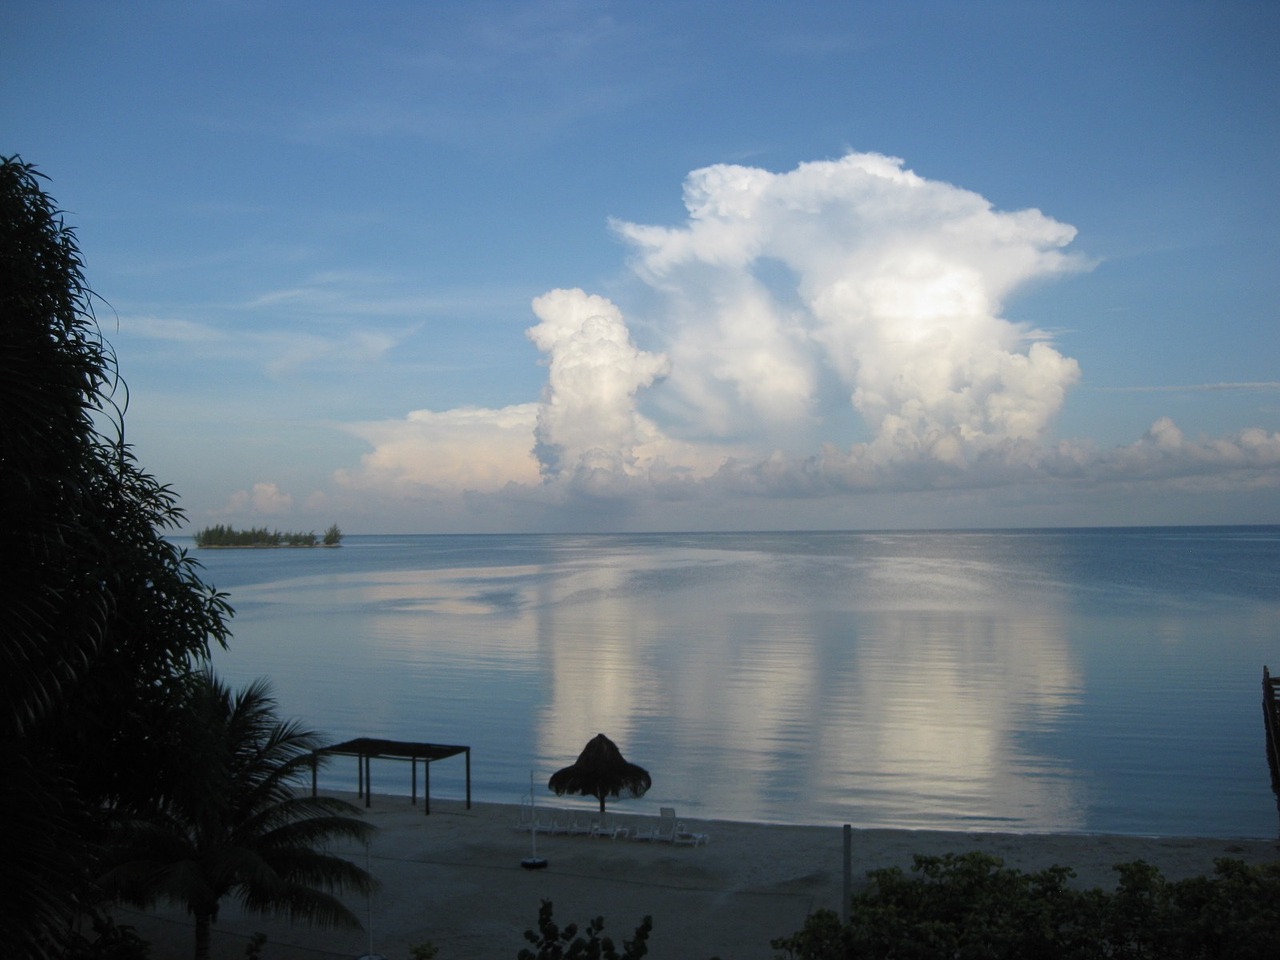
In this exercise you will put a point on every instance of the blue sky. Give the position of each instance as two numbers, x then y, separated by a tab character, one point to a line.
419	267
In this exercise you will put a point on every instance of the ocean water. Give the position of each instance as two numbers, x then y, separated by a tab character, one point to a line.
1047	680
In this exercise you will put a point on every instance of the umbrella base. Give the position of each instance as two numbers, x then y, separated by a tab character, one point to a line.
534	863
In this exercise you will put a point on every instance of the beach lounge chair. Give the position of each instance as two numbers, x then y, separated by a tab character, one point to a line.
610	830
580	828
687	838
666	831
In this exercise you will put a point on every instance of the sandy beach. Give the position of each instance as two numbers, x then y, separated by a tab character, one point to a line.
454	878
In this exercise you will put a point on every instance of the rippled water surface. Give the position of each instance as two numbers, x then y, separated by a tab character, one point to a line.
1098	681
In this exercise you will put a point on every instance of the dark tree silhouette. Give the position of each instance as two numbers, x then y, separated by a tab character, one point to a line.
231	822
99	614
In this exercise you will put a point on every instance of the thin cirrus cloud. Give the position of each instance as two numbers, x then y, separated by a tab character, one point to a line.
278	351
785	306
292	352
173	330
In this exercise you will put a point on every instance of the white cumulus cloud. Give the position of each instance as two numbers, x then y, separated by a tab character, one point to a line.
263	499
835	328
858	269
469	448
1164	451
588	426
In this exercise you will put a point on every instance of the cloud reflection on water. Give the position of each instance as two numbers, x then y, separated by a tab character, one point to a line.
878	690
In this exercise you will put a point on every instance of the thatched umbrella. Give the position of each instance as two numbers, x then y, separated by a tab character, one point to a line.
601	771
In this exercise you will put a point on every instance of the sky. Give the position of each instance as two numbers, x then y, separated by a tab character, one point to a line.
644	266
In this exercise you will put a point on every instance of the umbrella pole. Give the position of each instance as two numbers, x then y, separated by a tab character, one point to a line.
368	902
533	862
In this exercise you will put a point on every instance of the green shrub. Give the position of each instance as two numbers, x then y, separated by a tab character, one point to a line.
111	941
556	943
971	905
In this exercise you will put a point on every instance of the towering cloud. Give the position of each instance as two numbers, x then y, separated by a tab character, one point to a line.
833	328
860	270
589	431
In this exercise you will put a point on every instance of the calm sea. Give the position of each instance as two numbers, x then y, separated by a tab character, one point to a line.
1048	680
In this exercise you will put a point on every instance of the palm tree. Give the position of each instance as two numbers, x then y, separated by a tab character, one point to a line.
228	820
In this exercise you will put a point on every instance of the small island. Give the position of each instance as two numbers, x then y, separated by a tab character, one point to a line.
224	536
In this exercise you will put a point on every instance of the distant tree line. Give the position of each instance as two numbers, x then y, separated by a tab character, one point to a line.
221	535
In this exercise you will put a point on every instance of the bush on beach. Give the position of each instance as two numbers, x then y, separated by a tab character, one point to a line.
554	942
971	905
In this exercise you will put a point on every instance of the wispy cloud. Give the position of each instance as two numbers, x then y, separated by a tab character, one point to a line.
276	350
361	294
515	75
171	329
289	352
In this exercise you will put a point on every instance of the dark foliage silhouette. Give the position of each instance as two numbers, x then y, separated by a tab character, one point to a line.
100	615
232	823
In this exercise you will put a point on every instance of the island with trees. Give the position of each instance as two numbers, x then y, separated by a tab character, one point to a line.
221	535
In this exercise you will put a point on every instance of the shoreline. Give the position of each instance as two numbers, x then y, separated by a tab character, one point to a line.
574	806
454	878
265	546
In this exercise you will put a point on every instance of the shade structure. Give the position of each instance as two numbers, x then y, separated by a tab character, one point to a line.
365	748
601	771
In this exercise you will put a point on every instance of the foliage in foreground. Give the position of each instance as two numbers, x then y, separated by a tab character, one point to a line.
111	941
971	905
556	943
221	535
100	615
231	823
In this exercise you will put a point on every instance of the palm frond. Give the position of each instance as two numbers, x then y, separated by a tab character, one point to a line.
302	903
232	821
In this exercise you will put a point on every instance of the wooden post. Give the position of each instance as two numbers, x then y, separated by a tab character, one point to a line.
848	873
426	788
413	779
468	756
368	780
1271	721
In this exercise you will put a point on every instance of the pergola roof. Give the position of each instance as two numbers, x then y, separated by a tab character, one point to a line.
394	749
365	748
